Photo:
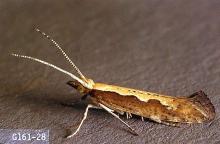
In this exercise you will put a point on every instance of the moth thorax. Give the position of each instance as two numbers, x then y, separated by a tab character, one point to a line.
90	83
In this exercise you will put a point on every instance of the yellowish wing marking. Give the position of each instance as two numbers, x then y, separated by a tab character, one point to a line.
141	95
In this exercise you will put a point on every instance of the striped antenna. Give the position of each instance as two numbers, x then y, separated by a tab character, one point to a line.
63	52
53	66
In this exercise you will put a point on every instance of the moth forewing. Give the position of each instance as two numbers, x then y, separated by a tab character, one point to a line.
196	108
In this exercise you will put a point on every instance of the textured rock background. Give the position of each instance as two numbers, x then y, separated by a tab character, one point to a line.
170	47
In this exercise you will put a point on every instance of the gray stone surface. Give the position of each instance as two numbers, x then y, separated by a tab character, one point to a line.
170	47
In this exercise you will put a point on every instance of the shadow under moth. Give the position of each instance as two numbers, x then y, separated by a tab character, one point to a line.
168	110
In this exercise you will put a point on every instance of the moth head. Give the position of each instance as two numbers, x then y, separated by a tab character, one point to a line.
79	87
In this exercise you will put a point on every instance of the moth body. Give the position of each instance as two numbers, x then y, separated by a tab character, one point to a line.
196	108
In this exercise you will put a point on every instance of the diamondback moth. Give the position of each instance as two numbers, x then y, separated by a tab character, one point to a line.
168	110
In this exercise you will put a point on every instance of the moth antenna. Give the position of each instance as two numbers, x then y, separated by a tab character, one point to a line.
63	52
53	66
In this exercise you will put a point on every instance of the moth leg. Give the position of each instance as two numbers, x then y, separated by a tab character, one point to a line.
128	115
84	118
119	112
142	118
115	115
170	124
166	123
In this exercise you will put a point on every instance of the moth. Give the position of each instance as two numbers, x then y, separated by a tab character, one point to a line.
168	110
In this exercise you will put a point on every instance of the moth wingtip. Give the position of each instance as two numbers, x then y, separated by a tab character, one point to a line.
200	98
